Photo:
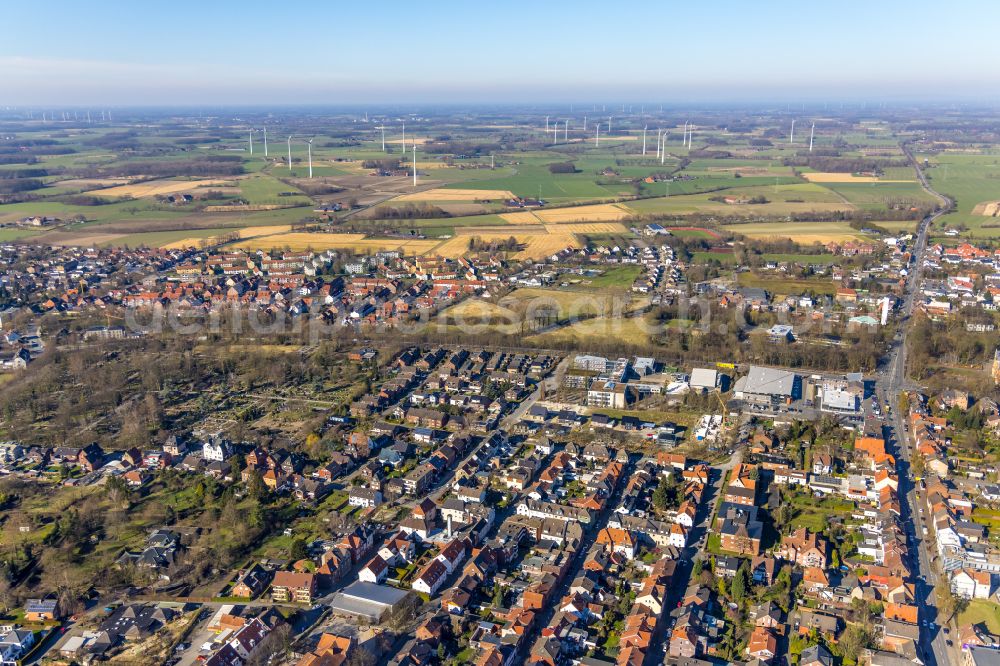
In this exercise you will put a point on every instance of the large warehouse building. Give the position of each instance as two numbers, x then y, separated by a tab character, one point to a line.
768	387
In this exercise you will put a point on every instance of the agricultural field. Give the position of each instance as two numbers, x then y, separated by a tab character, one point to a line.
805	233
456	194
584	186
825	177
973	181
158	188
297	241
782	199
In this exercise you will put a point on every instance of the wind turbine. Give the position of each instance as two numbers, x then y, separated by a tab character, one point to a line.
644	140
310	144
585	123
597	135
289	152
663	149
414	162
791	136
265	141
690	136
404	140
609	125
812	133
566	133
383	136
251	141
684	139
659	133
546	124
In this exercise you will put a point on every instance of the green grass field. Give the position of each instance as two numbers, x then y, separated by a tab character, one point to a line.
787	286
969	180
619	277
980	610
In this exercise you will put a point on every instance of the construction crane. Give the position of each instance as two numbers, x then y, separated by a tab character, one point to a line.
725	410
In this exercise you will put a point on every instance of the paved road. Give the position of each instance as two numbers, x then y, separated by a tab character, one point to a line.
586	543
890	383
695	550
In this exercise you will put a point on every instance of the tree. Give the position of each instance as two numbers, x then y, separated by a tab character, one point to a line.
298	549
661	497
738	588
855	639
6	591
949	604
498	595
117	491
256	489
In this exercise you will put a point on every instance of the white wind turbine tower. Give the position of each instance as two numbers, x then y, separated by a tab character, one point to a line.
251	141
414	162
265	141
812	133
597	135
684	139
659	134
310	144
546	124
566	133
585	124
404	141
663	148
644	127
383	136
609	125
791	135
289	152
690	136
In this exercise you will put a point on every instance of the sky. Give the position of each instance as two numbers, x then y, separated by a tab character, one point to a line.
220	52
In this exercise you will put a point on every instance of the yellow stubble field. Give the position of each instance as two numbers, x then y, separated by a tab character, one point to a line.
830	177
156	187
356	242
446	194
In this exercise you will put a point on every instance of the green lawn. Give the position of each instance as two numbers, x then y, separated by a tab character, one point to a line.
619	277
980	610
266	190
787	286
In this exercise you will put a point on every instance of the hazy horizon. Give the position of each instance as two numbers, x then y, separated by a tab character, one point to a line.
256	54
